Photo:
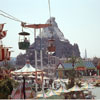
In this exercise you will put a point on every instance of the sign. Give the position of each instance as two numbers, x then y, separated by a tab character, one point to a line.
98	67
80	68
60	74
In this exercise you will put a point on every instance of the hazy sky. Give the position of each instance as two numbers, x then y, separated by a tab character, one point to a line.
79	20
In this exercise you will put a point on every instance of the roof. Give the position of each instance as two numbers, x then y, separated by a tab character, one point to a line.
80	64
25	70
86	64
67	65
89	64
24	33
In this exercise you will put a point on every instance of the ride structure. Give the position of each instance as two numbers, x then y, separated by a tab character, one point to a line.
51	49
51	46
39	27
36	27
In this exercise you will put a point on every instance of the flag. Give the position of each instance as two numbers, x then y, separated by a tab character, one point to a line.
3	34
1	54
1	27
4	53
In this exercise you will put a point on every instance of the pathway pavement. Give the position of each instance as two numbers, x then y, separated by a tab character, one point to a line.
96	92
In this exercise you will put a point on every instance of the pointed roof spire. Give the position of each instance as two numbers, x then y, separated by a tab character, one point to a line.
27	61
85	54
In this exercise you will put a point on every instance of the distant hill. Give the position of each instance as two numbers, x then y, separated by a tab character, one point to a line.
10	62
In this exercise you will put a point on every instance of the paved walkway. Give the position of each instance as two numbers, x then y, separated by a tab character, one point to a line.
96	92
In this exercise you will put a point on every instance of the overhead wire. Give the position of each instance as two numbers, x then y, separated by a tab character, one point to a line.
4	14
16	19
10	16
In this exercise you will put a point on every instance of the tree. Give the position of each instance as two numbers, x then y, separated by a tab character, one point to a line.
72	79
95	61
72	75
6	88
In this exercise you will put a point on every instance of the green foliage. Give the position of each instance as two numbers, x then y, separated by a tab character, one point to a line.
70	84
72	75
15	84
79	84
6	88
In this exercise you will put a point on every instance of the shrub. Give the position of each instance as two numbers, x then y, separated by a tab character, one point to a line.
6	88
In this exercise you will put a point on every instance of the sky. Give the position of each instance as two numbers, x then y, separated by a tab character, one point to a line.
79	20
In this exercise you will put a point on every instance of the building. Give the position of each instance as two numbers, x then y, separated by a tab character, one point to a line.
85	68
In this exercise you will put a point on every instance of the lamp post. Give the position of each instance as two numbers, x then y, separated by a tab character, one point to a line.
24	87
73	61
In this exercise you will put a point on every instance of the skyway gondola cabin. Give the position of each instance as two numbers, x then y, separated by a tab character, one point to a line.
51	47
24	41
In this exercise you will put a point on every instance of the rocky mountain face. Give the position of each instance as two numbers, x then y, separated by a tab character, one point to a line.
63	47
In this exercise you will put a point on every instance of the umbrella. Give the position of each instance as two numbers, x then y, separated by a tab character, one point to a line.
75	88
41	95
62	90
20	76
52	93
64	80
57	80
31	76
46	77
87	86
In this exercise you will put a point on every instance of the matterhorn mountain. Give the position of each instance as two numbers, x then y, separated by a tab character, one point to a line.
64	49
53	29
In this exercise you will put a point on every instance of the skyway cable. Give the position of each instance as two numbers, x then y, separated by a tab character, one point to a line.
10	16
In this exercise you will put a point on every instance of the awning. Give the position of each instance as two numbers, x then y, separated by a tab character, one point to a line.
80	68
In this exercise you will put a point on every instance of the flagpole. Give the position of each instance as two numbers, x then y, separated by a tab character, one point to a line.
35	57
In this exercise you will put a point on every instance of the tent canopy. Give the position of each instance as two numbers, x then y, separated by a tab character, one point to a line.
27	69
75	88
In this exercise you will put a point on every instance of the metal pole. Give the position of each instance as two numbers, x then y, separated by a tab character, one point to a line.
48	64
41	50
24	87
41	59
35	55
20	91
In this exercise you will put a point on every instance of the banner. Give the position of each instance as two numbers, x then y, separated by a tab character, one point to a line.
1	54
4	54
3	34
1	27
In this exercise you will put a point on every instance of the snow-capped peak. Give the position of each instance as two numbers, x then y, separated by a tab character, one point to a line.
48	31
